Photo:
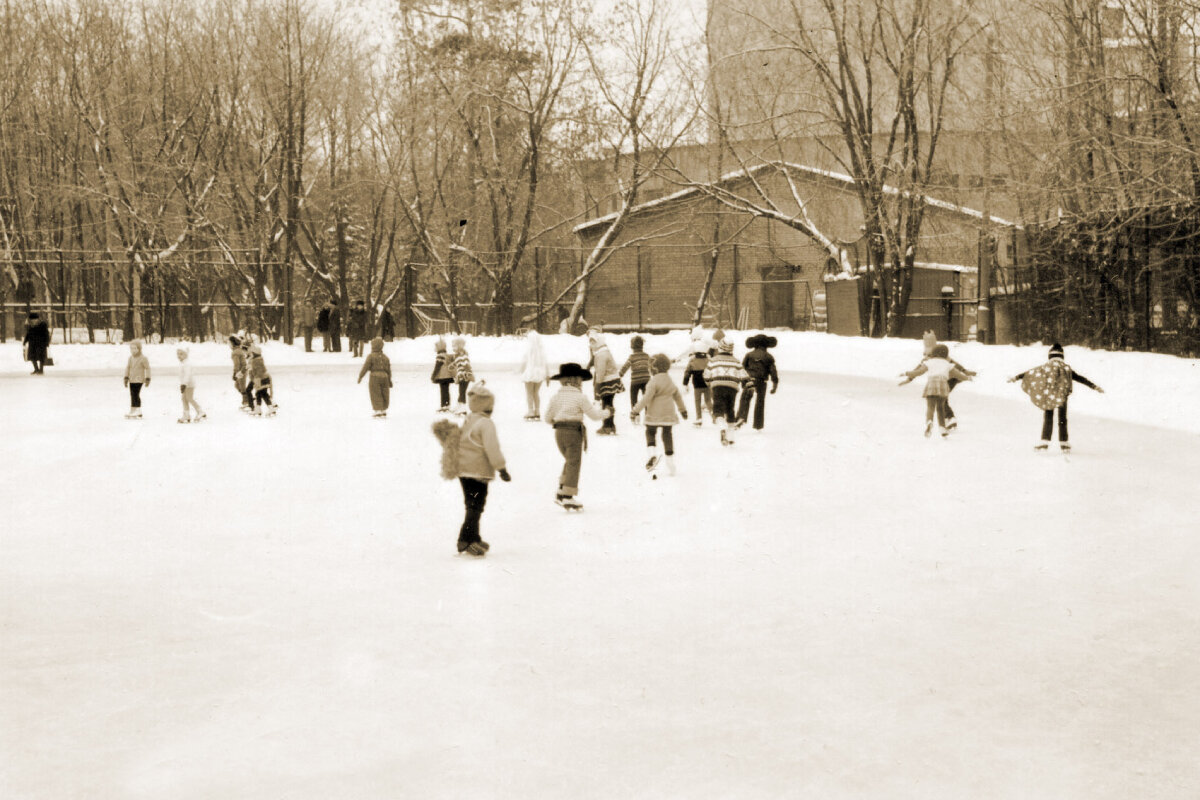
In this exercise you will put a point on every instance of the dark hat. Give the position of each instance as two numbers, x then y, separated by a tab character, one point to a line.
571	370
1056	350
761	340
940	351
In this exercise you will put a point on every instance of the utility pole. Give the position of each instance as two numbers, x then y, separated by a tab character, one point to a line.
983	317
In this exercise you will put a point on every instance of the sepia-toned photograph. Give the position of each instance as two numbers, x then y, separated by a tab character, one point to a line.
600	399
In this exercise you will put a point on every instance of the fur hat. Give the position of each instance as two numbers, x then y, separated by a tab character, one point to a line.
660	363
596	339
637	343
571	370
234	341
440	345
755	341
377	344
182	348
255	350
448	433
1056	350
940	351
725	346
480	399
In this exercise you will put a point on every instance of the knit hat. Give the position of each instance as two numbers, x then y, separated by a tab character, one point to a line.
440	345
1056	350
660	363
725	346
637	343
480	399
458	343
377	344
182	348
596	339
940	351
571	370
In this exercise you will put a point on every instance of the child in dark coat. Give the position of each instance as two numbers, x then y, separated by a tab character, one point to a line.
638	367
380	383
1051	393
760	367
694	374
443	374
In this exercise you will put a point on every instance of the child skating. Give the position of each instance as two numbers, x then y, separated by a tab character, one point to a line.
725	375
534	372
694	374
479	460
462	372
930	342
379	366
939	370
760	367
137	375
606	381
239	352
661	400
565	413
187	387
1049	386
638	367
443	374
261	383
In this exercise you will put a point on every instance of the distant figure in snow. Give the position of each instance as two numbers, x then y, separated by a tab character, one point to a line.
661	400
1049	386
760	367
462	371
930	342
694	373
443	374
308	321
380	384
239	352
940	370
387	324
137	375
357	328
323	322
725	375
638	367
565	413
261	382
606	380
187	387
335	326
534	372
36	342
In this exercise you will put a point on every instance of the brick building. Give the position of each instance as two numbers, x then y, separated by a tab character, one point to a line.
766	274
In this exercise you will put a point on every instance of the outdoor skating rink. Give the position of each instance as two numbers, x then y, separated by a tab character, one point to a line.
835	608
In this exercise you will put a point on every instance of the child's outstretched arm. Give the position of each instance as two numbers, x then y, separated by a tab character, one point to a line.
1075	376
920	369
961	374
1018	377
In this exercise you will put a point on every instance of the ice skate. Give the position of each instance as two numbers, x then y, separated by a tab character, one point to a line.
201	417
272	410
568	502
1064	447
698	423
945	432
725	438
184	420
1042	446
670	465
476	549
951	424
134	413
928	429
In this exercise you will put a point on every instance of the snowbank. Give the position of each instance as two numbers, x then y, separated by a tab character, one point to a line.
1131	380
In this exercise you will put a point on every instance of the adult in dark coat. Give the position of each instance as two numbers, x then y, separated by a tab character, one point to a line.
387	325
335	326
323	328
357	329
37	342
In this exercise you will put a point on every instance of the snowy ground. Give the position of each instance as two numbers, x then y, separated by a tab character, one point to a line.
836	608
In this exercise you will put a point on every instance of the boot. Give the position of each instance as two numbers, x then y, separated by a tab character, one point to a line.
651	458
1042	446
928	429
670	465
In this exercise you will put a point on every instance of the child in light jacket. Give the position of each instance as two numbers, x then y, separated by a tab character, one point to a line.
661	400
462	371
940	370
479	459
187	387
565	413
137	375
443	373
261	382
380	384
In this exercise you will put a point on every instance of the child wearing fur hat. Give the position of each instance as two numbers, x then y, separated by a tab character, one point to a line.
479	460
380	383
260	381
638	367
694	373
240	353
187	387
725	374
534	373
1049	387
137	375
565	413
462	370
940	370
760	367
606	381
661	400
443	374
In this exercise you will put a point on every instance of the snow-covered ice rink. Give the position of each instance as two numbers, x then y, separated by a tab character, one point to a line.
835	608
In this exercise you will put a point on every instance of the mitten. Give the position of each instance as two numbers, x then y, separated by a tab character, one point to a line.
504	476
127	381
684	413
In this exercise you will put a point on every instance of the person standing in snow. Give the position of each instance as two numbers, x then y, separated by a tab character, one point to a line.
694	373
462	371
565	413
443	374
760	367
479	460
661	400
1049	390
725	375
187	387
323	319
638	367
380	383
606	381
261	383
240	353
137	375
335	326
37	343
357	328
308	321
534	373
940	370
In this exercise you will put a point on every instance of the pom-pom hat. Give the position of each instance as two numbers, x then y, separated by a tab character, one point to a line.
1056	350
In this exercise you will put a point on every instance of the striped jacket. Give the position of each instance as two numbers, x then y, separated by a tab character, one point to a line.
725	370
638	367
462	368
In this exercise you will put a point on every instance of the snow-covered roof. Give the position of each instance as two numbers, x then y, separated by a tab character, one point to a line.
836	177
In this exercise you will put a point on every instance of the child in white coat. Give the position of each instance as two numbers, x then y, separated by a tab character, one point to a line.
940	370
187	387
534	372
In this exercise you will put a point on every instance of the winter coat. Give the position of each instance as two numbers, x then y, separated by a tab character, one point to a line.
638	367
694	372
661	399
258	372
323	320
939	370
479	454
37	340
187	375
534	368
335	321
137	370
358	323
443	369
308	317
462	368
760	365
725	370
377	364
387	325
606	366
